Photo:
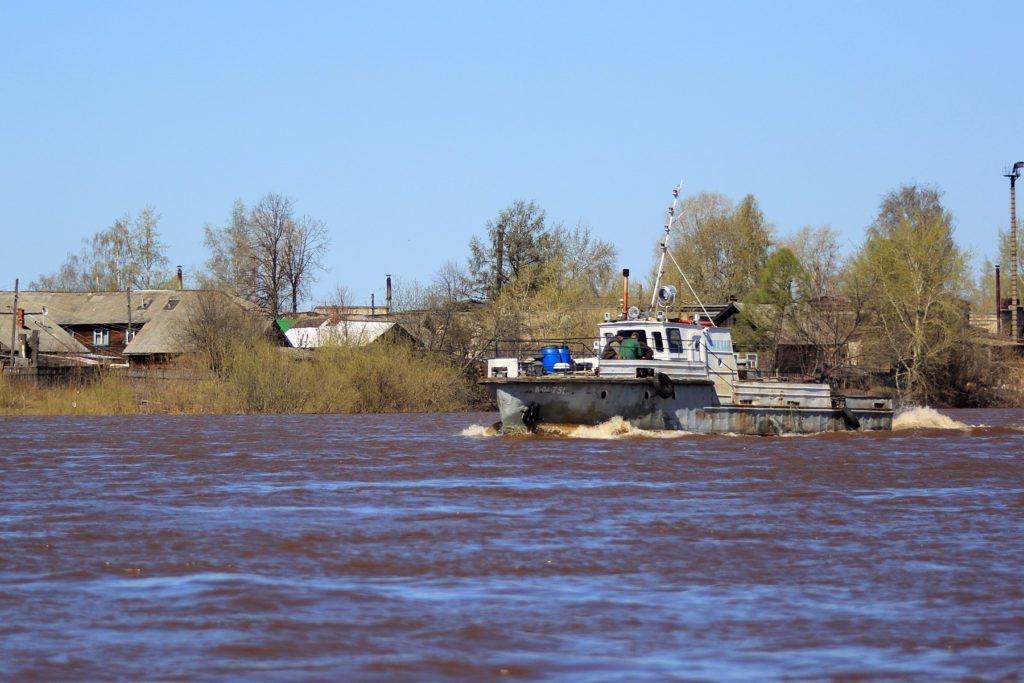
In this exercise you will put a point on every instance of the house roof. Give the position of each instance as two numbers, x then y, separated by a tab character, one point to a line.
161	313
98	308
344	332
52	337
169	314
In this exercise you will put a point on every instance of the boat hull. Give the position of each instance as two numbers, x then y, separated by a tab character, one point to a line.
692	406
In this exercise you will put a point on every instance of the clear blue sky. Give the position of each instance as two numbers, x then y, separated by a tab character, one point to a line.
407	126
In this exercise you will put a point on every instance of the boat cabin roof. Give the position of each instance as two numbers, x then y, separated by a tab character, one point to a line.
627	327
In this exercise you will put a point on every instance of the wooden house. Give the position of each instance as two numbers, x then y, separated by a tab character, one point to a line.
137	327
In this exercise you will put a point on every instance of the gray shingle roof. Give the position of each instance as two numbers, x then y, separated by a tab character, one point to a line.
161	313
52	337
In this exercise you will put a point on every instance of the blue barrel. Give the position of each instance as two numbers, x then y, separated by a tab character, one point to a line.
564	356
550	356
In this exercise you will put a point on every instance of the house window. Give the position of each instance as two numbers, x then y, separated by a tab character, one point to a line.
101	337
129	335
169	306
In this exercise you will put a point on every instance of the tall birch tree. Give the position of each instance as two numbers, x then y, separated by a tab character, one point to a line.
915	277
128	254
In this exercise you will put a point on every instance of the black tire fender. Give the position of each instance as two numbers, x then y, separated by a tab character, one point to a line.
531	416
663	386
850	419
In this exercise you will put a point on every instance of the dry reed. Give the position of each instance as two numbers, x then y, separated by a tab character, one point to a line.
257	378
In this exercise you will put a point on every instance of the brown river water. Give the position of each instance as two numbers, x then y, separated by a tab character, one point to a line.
420	548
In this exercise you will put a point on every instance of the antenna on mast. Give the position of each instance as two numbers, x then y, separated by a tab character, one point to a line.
665	252
669	220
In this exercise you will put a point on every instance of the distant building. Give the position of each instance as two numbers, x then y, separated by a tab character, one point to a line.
138	327
311	335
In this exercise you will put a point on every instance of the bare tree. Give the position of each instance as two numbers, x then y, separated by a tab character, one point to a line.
215	323
584	259
306	242
70	277
265	255
818	251
409	295
337	302
269	225
829	321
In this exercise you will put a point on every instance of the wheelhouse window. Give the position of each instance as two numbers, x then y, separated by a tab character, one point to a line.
675	340
101	337
658	343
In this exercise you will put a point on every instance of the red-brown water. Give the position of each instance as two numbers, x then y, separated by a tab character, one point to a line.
380	548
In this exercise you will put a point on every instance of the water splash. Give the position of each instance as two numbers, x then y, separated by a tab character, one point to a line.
480	431
922	417
615	428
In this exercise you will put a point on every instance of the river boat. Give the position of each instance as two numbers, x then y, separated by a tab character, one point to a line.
690	379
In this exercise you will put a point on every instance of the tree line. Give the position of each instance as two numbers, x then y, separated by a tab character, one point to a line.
894	311
266	253
895	307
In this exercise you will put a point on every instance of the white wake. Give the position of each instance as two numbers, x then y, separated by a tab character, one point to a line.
922	417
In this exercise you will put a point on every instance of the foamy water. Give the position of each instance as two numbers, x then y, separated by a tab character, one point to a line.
615	428
918	417
479	431
922	417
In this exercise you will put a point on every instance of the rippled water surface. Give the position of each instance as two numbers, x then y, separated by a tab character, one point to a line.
414	548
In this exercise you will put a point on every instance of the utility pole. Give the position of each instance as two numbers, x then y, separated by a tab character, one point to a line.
999	302
128	334
14	321
1013	175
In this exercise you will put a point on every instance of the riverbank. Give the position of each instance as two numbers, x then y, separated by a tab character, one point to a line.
258	380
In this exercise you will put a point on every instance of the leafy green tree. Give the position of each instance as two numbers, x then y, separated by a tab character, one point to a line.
518	242
770	308
914	276
520	245
534	278
720	247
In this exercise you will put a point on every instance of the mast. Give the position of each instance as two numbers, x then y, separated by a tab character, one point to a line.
665	252
664	244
